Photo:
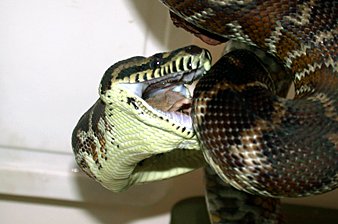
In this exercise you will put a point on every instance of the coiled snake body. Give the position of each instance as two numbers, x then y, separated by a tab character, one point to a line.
254	138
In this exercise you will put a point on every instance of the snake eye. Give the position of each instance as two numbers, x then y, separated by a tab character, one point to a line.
156	62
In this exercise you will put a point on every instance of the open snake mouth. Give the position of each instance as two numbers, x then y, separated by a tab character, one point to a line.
170	94
173	98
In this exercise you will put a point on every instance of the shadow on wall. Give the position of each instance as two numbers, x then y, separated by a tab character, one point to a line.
149	201
159	26
125	207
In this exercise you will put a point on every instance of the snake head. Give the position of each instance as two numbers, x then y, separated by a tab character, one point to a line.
160	80
140	129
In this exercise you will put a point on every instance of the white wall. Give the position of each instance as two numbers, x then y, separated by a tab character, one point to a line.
53	54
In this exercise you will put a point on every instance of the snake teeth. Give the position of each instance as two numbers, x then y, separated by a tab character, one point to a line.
177	117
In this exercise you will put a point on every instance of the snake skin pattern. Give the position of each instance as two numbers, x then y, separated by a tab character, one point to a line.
250	134
257	141
228	205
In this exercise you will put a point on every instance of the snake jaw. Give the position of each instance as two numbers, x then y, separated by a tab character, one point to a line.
168	95
172	102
